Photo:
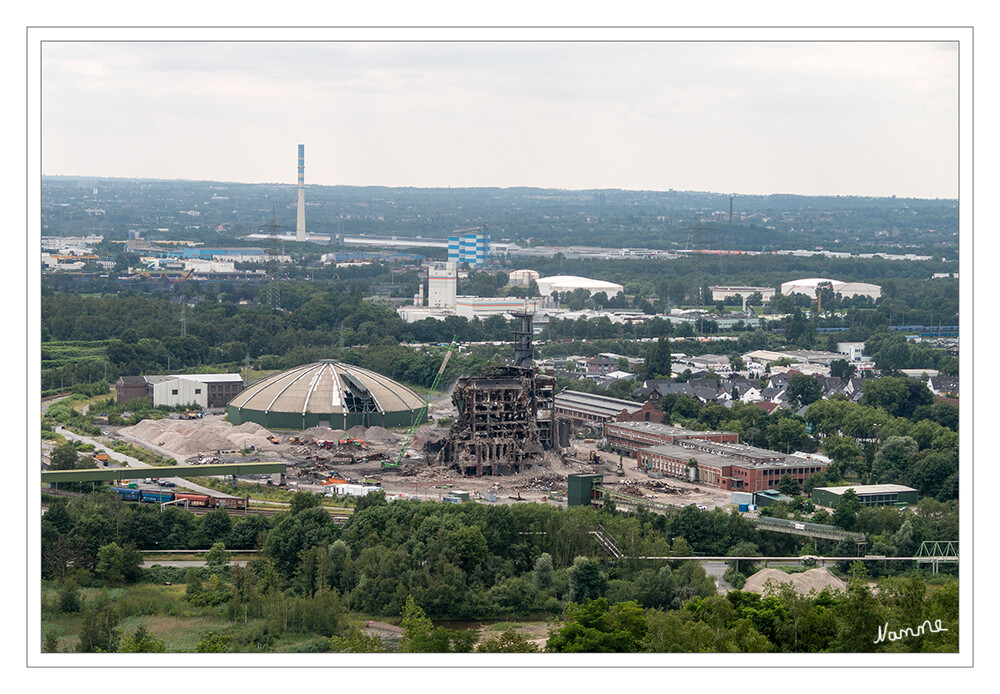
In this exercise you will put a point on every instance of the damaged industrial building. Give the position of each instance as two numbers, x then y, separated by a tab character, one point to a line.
505	417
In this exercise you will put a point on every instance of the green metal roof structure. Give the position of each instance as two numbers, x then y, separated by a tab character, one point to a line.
115	474
328	393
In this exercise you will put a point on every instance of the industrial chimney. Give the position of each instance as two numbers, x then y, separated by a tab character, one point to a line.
300	224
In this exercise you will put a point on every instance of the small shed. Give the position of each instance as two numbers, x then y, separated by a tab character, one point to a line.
769	497
583	489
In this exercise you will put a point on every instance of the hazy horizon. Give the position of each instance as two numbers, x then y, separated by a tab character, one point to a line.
736	194
860	119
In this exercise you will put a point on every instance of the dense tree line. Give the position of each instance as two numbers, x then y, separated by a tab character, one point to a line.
416	560
780	621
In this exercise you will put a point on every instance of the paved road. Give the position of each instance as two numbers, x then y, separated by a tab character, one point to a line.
716	569
136	463
187	564
45	404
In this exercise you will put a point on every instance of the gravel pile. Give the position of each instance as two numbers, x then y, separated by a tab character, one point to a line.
186	437
802	583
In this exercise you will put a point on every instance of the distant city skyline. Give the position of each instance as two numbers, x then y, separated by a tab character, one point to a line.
754	118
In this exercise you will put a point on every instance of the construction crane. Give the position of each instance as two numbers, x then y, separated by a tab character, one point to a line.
820	286
390	465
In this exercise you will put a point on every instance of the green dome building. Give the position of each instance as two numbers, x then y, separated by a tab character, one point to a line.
327	393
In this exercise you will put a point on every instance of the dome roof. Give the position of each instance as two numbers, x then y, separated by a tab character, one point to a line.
326	392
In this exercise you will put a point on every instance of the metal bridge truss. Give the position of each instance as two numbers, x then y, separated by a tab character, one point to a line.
937	552
792	527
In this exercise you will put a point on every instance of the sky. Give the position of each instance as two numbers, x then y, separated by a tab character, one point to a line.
815	118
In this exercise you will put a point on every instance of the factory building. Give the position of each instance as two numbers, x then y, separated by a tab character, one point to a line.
629	437
442	285
588	408
721	293
584	489
203	390
482	307
723	466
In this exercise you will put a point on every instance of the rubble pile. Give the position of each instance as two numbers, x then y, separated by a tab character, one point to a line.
541	483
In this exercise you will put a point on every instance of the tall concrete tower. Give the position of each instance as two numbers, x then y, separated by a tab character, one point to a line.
300	224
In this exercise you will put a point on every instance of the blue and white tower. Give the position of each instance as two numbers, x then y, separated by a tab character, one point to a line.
469	248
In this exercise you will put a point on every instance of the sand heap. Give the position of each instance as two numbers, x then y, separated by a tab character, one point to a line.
802	583
185	437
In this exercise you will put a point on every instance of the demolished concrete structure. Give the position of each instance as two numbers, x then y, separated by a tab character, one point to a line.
505	415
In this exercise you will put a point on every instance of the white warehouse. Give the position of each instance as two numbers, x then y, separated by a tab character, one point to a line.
569	283
847	289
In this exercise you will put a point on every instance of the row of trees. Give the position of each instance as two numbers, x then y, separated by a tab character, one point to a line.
781	621
418	560
469	561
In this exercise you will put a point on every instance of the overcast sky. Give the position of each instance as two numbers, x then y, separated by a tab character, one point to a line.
748	118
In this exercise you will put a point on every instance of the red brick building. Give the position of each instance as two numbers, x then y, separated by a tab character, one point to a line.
725	472
630	436
588	408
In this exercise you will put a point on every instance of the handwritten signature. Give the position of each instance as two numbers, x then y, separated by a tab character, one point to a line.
884	633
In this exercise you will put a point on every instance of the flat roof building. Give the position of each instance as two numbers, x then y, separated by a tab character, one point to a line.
720	293
716	468
203	390
868	494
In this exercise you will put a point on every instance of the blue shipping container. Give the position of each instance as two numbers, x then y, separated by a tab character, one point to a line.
744	508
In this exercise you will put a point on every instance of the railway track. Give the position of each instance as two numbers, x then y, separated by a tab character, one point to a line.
340	514
201	510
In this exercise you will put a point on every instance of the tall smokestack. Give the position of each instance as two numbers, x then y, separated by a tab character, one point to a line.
300	224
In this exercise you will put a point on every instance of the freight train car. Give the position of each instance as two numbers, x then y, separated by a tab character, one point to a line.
128	494
201	500
156	496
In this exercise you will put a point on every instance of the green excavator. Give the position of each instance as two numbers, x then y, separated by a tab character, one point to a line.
394	464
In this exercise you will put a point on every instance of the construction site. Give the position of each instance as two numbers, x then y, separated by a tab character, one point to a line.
505	443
